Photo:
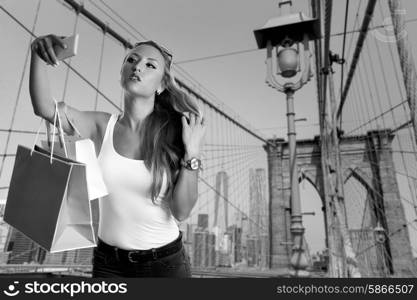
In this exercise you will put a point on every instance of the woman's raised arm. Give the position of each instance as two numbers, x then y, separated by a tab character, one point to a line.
43	54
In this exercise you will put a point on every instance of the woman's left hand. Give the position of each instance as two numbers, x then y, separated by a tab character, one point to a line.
193	134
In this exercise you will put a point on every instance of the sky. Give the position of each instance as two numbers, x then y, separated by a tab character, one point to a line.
194	30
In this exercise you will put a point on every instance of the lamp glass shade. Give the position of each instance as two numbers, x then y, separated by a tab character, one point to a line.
288	60
379	233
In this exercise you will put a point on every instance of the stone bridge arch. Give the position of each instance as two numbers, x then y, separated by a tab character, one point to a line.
367	157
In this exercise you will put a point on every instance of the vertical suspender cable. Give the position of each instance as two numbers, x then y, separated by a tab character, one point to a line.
64	93
17	102
322	86
343	52
19	91
364	30
406	58
100	68
351	262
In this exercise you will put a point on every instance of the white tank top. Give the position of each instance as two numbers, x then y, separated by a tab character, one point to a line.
128	218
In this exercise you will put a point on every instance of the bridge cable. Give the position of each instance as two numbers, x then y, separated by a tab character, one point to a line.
20	85
362	36
392	113
355	23
343	51
406	59
410	130
100	68
74	31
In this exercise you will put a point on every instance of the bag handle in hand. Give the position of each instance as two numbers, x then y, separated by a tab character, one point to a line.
57	119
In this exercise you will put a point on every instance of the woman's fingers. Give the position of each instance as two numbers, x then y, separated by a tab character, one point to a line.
47	50
42	51
192	119
51	52
198	119
44	47
184	121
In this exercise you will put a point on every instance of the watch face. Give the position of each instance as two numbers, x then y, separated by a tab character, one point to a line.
194	163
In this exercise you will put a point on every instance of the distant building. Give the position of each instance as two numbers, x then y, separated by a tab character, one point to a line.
23	250
320	261
236	236
252	246
415	264
203	221
4	231
73	257
257	236
211	252
187	237
225	252
258	212
203	246
222	186
264	251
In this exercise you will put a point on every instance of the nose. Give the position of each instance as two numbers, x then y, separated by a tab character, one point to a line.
138	66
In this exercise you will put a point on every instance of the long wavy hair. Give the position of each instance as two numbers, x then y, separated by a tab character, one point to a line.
161	134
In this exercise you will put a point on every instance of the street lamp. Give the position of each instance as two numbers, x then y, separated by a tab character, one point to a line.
379	233
290	35
380	236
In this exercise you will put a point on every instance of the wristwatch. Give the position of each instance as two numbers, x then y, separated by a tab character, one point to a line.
192	164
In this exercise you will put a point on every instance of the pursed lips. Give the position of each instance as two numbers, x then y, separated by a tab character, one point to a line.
134	77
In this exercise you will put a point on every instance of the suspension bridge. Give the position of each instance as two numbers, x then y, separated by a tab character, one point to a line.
357	173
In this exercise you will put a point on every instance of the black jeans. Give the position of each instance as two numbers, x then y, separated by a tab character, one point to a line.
109	261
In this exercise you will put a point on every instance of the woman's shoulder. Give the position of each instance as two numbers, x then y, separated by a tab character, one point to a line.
102	119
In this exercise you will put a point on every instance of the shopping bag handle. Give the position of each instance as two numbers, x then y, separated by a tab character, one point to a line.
57	121
48	133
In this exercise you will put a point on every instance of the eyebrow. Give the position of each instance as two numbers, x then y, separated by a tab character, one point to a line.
150	58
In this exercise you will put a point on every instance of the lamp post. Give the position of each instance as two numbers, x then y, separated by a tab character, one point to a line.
290	34
380	236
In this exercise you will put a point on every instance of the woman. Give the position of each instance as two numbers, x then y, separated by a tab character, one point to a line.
149	157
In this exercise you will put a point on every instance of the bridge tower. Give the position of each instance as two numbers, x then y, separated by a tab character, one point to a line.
368	158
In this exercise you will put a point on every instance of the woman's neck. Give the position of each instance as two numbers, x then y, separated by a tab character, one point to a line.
135	111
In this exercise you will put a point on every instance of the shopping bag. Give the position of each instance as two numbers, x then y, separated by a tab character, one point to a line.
82	150
48	199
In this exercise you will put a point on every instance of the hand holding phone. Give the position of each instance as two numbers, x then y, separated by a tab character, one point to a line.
51	48
71	50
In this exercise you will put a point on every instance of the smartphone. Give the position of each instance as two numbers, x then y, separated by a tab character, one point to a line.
71	50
